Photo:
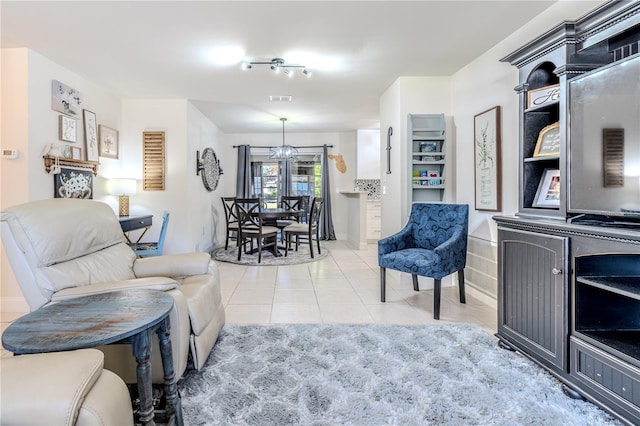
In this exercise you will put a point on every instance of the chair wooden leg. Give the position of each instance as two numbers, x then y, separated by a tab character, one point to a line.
463	299
318	240
437	285
414	278
310	245
259	250
383	284
286	243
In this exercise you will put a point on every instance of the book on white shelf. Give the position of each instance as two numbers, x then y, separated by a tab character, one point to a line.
428	146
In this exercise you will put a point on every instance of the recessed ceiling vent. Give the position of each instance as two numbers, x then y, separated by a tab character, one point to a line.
280	98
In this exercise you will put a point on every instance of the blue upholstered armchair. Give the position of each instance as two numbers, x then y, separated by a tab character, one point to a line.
433	244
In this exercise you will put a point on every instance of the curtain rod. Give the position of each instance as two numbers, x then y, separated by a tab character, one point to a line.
276	146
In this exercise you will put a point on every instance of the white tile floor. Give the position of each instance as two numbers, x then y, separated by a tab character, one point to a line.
344	287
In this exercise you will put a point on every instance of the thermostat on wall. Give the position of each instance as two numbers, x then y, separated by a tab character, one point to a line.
10	153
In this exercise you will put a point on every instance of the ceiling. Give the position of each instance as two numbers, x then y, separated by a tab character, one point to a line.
355	50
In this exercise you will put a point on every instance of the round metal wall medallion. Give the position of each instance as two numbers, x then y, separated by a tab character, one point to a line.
210	168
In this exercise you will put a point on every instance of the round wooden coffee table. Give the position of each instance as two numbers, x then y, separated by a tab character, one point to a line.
124	316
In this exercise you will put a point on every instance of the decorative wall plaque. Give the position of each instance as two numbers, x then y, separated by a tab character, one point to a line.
209	165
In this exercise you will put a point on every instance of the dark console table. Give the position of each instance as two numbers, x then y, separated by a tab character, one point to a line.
128	316
133	223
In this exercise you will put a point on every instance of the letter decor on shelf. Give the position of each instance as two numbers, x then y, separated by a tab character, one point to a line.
543	96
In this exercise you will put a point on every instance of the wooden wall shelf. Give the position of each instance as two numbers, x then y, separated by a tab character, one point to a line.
50	160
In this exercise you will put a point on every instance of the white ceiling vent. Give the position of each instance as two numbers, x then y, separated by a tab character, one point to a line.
280	98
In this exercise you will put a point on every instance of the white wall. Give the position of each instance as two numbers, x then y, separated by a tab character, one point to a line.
28	123
344	143
407	95
368	154
208	231
195	213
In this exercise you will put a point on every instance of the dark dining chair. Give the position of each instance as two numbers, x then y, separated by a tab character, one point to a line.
231	219
432	244
293	203
306	230
251	227
153	248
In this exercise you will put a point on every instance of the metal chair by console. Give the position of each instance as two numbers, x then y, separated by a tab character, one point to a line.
433	244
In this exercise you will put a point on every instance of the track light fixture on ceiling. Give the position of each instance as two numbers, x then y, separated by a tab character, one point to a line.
284	152
277	64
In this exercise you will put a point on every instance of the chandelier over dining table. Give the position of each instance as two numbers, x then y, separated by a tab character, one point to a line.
283	152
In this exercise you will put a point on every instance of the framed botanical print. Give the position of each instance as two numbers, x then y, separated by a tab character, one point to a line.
67	129
108	145
486	130
91	135
65	99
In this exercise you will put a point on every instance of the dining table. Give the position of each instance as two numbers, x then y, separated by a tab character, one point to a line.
271	215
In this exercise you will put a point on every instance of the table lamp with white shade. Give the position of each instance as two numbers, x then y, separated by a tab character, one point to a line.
123	187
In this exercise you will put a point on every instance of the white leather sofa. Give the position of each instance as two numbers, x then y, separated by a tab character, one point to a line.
65	248
62	388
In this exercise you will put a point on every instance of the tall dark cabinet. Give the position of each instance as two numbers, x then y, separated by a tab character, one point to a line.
569	260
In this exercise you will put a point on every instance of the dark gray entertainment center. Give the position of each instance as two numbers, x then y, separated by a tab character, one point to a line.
569	260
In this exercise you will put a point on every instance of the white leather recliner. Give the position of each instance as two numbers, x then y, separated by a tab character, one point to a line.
65	248
63	388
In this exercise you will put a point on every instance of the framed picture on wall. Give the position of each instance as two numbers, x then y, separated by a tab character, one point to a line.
73	183
67	129
486	132
91	135
108	142
65	99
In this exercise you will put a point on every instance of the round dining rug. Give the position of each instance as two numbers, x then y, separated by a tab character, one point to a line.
293	257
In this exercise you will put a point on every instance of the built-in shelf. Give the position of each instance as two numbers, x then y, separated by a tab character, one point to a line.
50	160
538	159
427	157
625	286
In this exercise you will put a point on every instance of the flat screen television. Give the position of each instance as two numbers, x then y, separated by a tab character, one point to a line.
604	142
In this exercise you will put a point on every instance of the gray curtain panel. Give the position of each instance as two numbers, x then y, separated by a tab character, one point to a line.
326	221
256	170
243	180
286	167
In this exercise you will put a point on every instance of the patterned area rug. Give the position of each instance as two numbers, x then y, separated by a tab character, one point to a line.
451	374
293	257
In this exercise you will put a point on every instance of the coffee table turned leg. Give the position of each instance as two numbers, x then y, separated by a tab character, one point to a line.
141	345
174	404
